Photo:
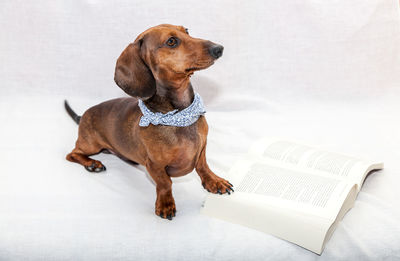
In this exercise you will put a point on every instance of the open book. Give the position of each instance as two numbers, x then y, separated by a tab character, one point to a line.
292	191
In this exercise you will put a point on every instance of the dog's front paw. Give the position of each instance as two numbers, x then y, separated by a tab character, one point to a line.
165	206
217	185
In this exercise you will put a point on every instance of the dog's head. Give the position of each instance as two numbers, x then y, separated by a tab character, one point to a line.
165	54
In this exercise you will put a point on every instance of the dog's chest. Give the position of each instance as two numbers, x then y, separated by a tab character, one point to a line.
176	148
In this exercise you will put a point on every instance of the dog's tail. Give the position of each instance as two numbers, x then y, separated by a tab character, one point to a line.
71	113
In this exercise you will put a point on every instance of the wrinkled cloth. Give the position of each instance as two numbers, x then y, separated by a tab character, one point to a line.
324	73
183	118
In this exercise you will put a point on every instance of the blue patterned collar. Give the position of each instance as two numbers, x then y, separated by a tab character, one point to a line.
182	118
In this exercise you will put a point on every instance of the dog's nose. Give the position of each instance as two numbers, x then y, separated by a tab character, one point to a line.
216	51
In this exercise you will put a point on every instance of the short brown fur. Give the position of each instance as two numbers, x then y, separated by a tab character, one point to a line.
160	75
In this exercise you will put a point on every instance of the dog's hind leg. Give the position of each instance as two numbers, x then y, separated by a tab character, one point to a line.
81	155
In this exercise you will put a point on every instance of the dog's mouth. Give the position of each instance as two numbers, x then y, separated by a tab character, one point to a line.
198	67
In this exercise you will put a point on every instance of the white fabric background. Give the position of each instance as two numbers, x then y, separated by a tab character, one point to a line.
323	72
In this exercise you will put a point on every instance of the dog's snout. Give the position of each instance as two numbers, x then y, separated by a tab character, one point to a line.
216	51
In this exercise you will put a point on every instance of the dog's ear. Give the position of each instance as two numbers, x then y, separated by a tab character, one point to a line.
132	74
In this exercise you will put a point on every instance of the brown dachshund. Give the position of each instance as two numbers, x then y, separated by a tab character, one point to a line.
155	68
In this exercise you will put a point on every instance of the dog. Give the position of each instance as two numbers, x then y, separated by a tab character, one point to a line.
155	70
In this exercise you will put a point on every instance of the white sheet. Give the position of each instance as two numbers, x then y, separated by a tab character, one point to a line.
322	72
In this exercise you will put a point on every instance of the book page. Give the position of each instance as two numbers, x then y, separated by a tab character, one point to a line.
283	186
316	160
270	196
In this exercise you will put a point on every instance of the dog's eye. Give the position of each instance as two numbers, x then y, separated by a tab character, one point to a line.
172	42
187	30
